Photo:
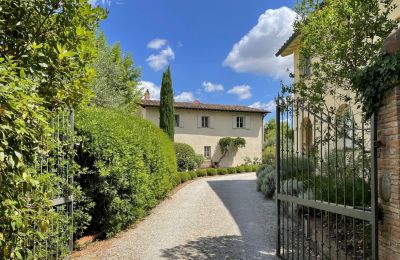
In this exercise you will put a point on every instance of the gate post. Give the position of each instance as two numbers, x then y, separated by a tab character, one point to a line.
388	130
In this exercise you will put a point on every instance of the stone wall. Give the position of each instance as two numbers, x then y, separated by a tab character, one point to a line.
388	125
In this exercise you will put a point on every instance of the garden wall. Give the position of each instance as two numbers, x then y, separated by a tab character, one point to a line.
388	125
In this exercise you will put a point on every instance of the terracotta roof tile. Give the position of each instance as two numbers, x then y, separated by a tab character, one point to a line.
202	106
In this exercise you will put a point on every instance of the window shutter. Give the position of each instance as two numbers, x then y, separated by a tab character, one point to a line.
234	122
211	122
247	122
181	123
199	121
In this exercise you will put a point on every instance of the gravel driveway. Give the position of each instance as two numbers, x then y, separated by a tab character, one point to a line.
221	217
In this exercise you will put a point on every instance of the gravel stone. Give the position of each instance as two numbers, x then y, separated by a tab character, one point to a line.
221	217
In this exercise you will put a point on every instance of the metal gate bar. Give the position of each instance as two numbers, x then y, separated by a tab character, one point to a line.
326	202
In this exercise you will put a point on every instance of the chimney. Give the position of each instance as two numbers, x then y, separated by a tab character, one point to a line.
147	95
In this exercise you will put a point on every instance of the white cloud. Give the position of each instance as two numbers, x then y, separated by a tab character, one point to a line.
160	60
269	106
156	44
211	87
242	91
184	97
153	89
255	52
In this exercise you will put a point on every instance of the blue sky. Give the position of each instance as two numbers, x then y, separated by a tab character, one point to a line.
220	51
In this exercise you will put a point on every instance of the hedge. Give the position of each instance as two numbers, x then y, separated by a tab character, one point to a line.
128	172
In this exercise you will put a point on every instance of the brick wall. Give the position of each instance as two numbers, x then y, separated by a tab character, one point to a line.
388	125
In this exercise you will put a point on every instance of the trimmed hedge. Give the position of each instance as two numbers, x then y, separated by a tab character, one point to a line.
201	173
212	172
222	171
128	172
193	174
185	176
232	170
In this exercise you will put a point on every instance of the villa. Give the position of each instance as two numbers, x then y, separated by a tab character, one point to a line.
203	125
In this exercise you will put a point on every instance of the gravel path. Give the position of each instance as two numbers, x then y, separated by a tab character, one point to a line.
220	217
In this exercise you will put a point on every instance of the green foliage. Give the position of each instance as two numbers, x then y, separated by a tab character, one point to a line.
55	45
176	179
186	157
296	167
255	167
345	36
222	171
167	114
248	168
193	174
240	169
269	155
201	173
185	176
266	180
199	159
373	82
232	170
128	172
45	56
116	79
212	172
227	144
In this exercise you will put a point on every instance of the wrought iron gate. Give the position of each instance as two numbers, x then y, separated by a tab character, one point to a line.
326	184
58	161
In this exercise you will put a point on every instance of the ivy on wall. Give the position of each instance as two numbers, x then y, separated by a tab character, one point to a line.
374	81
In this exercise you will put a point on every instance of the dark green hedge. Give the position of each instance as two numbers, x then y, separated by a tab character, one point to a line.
130	164
186	157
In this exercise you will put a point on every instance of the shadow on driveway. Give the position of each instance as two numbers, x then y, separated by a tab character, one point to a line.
253	214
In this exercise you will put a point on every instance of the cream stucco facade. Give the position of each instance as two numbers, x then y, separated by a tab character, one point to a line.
221	124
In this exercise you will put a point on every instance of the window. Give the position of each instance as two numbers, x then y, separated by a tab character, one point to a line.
205	122
306	67
207	152
177	120
239	122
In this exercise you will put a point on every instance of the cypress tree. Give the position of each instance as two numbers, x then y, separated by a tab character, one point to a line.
167	113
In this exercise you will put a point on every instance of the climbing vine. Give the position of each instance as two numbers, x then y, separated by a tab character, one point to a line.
229	143
372	82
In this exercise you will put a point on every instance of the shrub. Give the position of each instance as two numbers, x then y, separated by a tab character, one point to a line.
248	168
176	179
262	171
255	167
232	170
186	158
295	167
222	171
268	185
212	172
131	166
201	173
240	169
193	174
199	159
266	180
185	176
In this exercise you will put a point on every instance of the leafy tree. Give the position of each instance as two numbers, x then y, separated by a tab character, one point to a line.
167	113
342	36
270	132
46	49
115	83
